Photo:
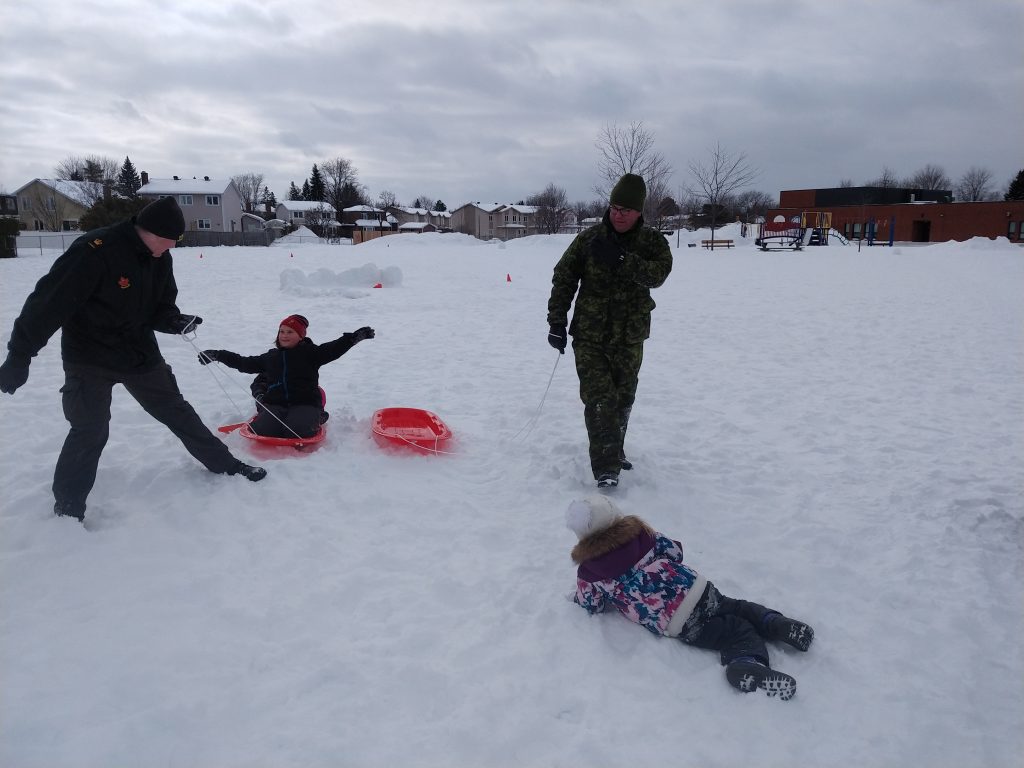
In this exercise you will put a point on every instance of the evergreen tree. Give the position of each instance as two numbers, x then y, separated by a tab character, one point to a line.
93	171
305	190
268	197
106	212
293	192
128	181
1016	190
317	191
440	206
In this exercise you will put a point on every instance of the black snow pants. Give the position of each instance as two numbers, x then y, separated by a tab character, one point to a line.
734	628
86	397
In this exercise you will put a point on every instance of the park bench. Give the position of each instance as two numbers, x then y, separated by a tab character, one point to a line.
716	243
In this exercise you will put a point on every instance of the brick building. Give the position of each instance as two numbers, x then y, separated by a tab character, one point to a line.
908	215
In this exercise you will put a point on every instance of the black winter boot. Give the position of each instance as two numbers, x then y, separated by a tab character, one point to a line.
75	509
748	675
788	631
250	472
607	480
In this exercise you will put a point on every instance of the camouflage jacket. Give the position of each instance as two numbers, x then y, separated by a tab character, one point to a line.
614	302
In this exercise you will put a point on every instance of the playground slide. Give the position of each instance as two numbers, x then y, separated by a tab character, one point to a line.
807	236
832	233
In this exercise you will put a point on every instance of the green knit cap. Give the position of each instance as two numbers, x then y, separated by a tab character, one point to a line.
629	192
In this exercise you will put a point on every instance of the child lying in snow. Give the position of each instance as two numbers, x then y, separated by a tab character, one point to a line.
625	564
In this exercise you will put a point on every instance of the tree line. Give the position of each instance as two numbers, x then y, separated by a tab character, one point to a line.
718	189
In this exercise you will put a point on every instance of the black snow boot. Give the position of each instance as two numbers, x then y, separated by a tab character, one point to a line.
788	631
75	509
748	675
607	480
625	463
250	472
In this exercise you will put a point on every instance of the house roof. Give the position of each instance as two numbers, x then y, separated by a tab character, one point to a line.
305	205
368	223
82	192
415	225
365	208
185	187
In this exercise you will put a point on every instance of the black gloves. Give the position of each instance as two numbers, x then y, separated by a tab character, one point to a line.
557	337
13	373
182	324
208	356
606	252
366	332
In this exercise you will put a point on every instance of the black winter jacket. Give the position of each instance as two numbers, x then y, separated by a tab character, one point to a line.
291	376
109	294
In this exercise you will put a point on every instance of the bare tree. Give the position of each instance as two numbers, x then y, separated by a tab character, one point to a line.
975	185
845	183
888	179
93	172
341	182
753	203
552	209
386	199
930	177
49	207
631	150
718	180
250	189
321	220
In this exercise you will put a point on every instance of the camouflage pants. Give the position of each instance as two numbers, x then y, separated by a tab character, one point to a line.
608	378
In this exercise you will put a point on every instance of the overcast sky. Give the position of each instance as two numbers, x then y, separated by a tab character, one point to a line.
491	101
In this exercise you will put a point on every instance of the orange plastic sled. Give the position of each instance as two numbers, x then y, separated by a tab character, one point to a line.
411	429
245	430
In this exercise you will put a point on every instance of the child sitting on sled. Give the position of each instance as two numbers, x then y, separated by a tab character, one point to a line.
627	565
287	388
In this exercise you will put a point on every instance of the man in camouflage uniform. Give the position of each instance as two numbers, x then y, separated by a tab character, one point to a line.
614	264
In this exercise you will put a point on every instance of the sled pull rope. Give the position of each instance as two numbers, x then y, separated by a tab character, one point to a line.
532	421
191	340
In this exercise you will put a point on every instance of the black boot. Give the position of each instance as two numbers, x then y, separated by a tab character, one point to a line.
625	463
788	631
747	674
75	509
607	480
250	472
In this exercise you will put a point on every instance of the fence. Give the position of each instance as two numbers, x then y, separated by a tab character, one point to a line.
60	241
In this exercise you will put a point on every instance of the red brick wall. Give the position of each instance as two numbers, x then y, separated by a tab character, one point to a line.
943	221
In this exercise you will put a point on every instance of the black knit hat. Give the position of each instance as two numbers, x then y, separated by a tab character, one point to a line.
163	218
629	192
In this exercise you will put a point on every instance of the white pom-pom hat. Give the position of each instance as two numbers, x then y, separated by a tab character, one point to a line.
594	513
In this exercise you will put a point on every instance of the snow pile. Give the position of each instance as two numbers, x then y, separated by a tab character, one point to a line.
301	236
348	284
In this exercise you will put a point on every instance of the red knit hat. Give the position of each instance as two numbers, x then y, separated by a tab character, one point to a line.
297	323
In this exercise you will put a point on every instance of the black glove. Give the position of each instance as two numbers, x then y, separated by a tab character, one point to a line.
208	356
366	332
558	338
13	373
607	252
182	323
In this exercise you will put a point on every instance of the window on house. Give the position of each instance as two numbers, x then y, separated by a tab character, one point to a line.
51	204
856	230
299	215
202	223
26	203
68	225
213	199
1012	229
185	199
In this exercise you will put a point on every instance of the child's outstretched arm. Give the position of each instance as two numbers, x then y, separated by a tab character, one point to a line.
232	360
332	350
590	597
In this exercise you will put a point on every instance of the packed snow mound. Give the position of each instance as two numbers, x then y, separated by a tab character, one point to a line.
302	235
979	244
422	239
351	284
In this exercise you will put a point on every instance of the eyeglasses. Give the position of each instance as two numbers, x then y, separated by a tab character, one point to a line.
618	210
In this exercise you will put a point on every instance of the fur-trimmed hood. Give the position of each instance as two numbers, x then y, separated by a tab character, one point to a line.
618	534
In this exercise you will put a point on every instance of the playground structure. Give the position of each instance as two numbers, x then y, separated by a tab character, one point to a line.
810	228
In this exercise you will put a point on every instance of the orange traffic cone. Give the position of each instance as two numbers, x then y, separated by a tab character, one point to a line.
508	277
378	285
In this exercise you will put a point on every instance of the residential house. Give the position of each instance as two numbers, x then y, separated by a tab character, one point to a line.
55	205
439	220
212	205
494	220
308	213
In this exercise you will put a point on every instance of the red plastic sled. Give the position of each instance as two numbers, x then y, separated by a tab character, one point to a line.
298	443
411	429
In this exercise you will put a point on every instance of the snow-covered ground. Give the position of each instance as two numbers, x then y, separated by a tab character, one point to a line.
835	433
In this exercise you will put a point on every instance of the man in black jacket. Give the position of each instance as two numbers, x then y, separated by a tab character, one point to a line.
108	293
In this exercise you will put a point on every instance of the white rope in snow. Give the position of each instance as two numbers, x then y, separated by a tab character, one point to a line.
532	421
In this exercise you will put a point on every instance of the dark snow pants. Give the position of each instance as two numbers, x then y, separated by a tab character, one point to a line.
732	627
608	380
287	420
86	397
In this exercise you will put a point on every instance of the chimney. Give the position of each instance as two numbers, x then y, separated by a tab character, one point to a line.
206	178
144	177
176	178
